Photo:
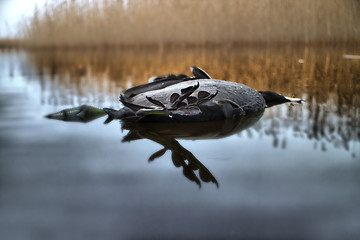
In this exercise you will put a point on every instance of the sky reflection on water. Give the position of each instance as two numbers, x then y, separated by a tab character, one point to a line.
293	174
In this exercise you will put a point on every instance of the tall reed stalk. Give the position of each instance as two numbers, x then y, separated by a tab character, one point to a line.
162	22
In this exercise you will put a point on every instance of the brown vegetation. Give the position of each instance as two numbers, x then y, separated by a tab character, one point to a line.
319	74
183	22
10	43
318	71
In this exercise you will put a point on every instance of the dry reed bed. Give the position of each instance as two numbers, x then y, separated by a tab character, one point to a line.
161	22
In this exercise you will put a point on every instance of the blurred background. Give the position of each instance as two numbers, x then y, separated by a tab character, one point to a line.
81	23
293	174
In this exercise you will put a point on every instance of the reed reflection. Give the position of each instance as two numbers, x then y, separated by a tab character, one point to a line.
320	75
326	131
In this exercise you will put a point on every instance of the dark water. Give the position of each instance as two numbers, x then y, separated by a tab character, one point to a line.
293	174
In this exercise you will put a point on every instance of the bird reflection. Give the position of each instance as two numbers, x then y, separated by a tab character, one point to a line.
166	134
181	157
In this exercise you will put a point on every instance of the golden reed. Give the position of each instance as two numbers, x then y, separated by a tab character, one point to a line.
81	23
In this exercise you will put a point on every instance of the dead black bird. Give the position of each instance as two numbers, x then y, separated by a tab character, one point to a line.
181	98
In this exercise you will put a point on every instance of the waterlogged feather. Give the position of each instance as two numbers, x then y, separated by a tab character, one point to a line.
190	89
174	97
205	99
160	84
188	92
192	100
199	73
182	104
132	106
168	77
156	102
185	90
203	94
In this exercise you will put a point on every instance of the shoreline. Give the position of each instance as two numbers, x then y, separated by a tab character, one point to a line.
23	44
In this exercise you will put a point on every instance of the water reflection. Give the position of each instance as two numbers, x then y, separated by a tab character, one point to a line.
314	123
329	83
66	179
166	134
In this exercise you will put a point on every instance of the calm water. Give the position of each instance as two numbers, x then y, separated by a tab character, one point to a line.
294	173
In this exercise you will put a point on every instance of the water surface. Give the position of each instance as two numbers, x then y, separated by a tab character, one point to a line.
293	174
